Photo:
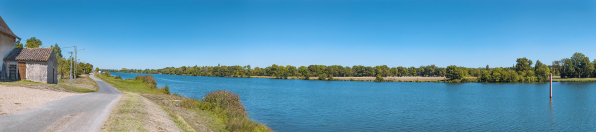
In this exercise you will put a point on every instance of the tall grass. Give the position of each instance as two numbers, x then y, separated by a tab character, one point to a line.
227	106
147	79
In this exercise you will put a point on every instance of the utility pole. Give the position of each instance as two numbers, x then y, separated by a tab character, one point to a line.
70	75
76	63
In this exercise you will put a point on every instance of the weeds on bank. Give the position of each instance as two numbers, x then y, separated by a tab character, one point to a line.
226	105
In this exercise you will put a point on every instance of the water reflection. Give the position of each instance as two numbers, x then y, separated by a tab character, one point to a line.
551	111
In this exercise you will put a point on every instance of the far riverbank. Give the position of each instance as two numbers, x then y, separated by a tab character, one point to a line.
412	79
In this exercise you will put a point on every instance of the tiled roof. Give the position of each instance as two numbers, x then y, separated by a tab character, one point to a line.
29	54
5	29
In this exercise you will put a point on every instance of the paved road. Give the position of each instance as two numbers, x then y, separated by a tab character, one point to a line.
85	112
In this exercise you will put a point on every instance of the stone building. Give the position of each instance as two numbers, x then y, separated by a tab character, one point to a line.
7	44
35	64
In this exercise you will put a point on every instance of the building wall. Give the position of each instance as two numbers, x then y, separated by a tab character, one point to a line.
37	71
52	69
7	65
7	44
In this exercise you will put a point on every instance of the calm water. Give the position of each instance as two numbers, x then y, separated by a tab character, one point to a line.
298	105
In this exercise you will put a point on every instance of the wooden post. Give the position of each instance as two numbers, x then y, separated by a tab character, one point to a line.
551	85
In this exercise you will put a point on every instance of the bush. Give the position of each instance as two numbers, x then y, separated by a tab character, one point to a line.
166	89
307	76
330	78
147	79
379	79
107	74
189	103
227	106
322	76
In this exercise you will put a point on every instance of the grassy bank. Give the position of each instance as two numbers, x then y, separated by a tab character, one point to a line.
83	84
187	113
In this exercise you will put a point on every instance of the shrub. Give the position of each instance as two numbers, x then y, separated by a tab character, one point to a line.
379	79
119	77
330	78
307	76
227	106
107	74
166	89
189	103
147	79
322	76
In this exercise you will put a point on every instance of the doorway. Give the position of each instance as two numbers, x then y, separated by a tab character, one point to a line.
22	70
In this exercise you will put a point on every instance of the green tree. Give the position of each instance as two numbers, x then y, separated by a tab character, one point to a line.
322	76
283	72
412	71
542	71
485	77
568	69
33	43
303	70
523	64
454	72
556	67
582	64
590	69
402	71
57	50
19	44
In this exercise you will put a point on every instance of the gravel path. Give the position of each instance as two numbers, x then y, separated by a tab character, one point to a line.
14	99
85	112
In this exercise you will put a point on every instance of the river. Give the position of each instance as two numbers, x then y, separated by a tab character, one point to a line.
300	105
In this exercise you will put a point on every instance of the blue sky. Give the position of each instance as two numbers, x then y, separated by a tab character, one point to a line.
156	34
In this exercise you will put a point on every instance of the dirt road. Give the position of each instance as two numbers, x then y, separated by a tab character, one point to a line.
85	112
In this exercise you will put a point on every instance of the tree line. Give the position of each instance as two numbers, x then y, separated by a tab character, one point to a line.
283	72
523	71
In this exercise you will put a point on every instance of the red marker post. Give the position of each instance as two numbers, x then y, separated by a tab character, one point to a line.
551	85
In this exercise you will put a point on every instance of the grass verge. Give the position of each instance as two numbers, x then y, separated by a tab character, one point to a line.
129	85
83	84
126	115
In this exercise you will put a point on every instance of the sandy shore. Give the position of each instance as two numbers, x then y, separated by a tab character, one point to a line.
14	99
